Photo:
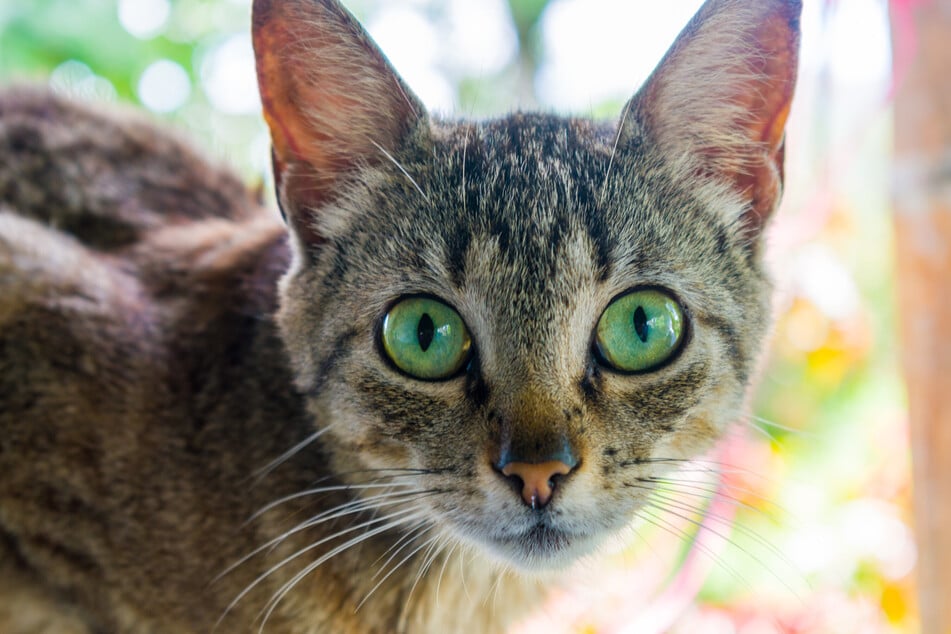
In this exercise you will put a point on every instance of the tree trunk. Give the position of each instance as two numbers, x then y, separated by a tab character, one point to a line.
922	44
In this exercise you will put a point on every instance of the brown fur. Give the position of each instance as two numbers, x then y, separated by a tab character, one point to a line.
184	384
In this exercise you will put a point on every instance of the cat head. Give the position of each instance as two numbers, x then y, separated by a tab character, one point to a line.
519	322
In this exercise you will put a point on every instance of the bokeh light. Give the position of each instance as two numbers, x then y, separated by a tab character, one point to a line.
144	18
224	76
164	86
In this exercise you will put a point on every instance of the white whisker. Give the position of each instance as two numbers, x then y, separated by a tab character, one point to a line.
287	455
775	425
310	547
327	489
397	547
730	524
698	490
764	427
679	533
702	525
428	559
394	569
496	585
350	508
682	485
442	570
462	576
465	148
617	141
393	520
698	465
402	169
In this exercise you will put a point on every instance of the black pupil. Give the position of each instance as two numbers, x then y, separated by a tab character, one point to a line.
640	324
426	330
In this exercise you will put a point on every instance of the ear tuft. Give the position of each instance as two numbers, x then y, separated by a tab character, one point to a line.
719	100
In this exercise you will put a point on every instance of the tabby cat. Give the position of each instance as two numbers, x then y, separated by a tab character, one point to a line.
459	368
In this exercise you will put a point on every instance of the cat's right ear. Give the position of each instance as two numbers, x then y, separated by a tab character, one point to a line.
331	100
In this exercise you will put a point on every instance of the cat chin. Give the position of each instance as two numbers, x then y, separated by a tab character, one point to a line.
539	550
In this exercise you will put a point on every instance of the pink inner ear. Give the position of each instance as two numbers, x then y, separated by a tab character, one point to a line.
778	40
763	179
722	94
291	95
330	98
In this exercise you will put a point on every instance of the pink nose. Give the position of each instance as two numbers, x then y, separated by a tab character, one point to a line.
537	479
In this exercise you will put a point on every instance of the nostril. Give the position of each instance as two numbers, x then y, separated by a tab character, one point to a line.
536	482
514	480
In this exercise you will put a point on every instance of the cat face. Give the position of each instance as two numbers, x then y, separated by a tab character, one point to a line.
520	322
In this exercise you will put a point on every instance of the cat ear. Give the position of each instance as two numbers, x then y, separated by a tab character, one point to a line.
719	99
331	100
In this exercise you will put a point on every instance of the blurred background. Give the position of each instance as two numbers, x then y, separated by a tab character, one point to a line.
800	522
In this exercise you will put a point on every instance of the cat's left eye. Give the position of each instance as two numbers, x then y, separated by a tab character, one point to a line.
640	330
425	338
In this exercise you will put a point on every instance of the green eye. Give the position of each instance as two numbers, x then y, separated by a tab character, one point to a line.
640	330
425	338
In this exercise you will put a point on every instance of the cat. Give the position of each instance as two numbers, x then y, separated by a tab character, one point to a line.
459	367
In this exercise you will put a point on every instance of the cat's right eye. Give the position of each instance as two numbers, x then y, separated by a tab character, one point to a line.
425	338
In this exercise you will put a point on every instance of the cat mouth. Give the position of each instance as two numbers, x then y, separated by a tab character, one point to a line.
546	538
541	546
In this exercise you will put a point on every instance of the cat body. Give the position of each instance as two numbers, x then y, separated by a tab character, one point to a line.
209	420
135	371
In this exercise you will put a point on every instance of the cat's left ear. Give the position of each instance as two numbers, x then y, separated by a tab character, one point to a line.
333	103
717	104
